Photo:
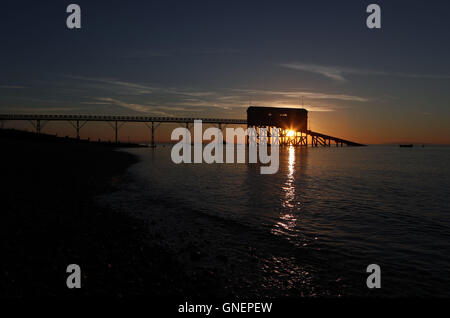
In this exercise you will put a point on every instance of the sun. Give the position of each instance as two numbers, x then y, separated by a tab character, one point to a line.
290	133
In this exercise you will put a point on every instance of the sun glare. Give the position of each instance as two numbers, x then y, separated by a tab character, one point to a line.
290	133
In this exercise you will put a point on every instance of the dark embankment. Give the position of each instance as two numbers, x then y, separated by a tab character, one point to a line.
50	220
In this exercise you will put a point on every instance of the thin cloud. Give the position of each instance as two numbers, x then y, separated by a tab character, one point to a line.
140	108
339	73
185	99
96	103
11	87
111	83
330	72
307	94
130	88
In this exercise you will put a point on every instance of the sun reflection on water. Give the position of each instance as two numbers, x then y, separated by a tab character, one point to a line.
288	217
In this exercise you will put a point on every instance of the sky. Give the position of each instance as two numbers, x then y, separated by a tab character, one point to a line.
215	58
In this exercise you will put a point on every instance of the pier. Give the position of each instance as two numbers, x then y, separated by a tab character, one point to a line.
295	137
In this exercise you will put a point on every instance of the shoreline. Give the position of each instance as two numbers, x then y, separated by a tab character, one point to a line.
50	219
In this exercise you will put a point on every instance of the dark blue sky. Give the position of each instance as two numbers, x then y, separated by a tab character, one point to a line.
213	58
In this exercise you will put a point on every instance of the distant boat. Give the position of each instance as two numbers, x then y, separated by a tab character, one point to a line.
406	146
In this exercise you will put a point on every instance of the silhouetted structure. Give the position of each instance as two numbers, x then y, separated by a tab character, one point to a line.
292	122
294	119
293	127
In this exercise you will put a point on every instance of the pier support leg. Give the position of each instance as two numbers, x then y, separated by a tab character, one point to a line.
116	130
115	126
152	128
153	135
78	129
37	125
77	125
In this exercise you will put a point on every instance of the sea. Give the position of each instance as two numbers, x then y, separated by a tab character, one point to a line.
310	230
